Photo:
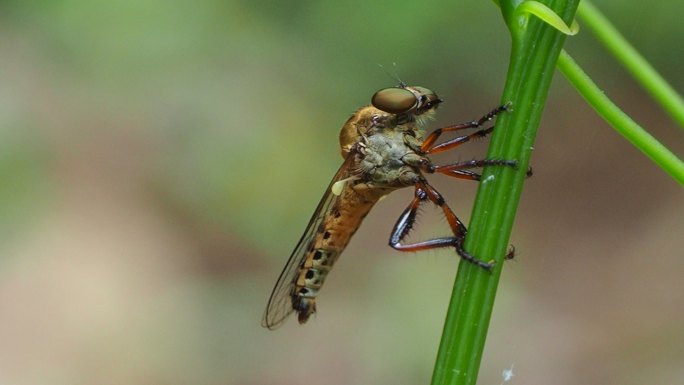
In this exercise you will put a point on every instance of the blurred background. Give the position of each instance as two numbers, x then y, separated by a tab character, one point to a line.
159	161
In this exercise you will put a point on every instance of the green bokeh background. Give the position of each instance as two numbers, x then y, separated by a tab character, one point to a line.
159	160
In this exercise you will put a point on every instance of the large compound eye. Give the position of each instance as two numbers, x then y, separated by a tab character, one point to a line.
394	100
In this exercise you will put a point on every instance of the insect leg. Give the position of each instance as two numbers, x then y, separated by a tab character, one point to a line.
407	219
429	147
456	170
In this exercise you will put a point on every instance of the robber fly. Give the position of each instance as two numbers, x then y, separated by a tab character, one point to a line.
384	150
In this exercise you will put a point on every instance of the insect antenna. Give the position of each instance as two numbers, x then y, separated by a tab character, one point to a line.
393	75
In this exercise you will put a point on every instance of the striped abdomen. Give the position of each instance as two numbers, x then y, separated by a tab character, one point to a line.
339	224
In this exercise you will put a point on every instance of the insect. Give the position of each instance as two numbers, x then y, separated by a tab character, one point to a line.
384	150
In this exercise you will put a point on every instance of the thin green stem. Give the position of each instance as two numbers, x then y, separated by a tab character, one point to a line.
645	74
622	123
535	53
535	50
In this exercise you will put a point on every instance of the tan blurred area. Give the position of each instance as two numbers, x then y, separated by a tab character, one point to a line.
159	163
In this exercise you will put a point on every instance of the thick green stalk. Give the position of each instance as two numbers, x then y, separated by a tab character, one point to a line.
535	50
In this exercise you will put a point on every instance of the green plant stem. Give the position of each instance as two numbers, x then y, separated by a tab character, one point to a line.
645	74
535	50
622	123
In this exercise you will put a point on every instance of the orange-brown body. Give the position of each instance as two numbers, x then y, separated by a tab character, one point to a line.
330	240
383	150
381	145
383	159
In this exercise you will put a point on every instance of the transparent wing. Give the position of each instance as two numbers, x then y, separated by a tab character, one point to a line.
280	303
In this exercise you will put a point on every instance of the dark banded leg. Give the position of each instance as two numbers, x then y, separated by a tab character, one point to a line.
424	192
429	147
457	170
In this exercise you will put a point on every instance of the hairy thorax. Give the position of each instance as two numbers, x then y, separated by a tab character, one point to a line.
387	149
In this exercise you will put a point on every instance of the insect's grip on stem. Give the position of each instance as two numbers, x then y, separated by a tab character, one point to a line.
424	192
429	146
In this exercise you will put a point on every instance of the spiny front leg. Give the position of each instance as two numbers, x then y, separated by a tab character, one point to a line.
423	192
458	169
429	147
